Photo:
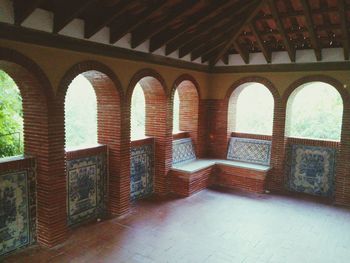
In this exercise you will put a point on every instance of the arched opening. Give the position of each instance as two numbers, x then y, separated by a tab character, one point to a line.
34	178
251	109
11	117
185	108
80	114
148	108
185	100
314	114
93	118
176	113
138	113
314	111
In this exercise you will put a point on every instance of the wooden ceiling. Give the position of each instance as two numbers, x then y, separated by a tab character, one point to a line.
208	29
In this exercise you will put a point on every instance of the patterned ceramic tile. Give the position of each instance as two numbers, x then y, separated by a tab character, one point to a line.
142	171
17	210
86	188
183	151
249	150
312	170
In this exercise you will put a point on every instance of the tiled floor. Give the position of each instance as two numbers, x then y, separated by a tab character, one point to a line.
211	226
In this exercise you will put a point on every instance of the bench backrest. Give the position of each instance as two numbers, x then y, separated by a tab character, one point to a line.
183	151
249	150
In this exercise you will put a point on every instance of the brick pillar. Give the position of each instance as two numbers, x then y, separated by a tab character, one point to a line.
189	105
158	126
112	131
275	180
202	148
217	128
43	137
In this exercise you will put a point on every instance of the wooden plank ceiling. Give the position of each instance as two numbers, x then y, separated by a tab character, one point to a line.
208	29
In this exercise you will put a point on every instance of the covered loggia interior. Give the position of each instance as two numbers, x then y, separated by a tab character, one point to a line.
131	133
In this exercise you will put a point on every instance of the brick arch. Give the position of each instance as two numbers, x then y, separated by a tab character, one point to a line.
316	78
342	184
274	181
40	142
158	121
189	95
187	78
152	83
110	108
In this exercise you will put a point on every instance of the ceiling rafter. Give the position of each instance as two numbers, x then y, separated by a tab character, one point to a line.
208	49
166	35
63	15
24	8
142	34
310	26
297	13
119	30
243	52
103	17
290	49
232	37
344	28
185	38
264	49
199	45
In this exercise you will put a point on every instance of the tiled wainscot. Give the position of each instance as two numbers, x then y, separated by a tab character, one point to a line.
86	184
311	169
17	203
142	168
249	150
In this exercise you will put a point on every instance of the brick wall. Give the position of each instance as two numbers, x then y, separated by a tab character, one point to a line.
158	122
206	120
41	128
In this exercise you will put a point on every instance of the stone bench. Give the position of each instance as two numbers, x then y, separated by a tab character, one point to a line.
188	174
246	167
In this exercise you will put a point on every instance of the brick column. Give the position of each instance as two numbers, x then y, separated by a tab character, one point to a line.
42	140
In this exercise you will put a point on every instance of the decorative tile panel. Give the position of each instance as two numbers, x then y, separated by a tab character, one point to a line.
249	150
17	210
87	186
183	151
312	170
142	171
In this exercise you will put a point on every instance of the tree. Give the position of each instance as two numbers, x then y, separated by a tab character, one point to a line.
11	117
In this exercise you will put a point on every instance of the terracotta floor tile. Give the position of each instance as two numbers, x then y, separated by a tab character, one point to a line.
213	226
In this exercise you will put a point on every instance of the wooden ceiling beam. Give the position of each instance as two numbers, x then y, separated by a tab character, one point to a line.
225	58
310	27
118	30
186	38
142	34
232	37
24	8
297	13
344	27
288	46
63	15
166	35
200	46
243	52
267	53
103	17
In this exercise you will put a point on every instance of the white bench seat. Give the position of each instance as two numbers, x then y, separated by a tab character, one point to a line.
251	166
193	166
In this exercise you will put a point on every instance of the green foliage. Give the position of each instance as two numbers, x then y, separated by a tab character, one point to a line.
316	111
11	117
80	114
254	110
